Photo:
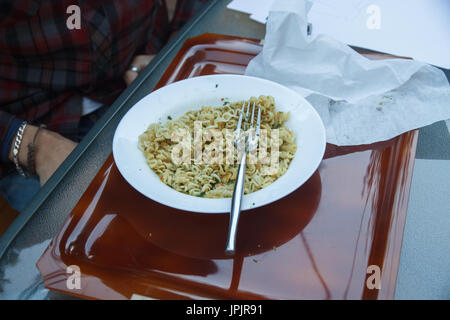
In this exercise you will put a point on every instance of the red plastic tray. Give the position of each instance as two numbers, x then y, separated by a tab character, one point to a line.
316	243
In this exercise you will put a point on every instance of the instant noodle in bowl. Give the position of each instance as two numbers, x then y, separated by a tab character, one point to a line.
167	146
211	172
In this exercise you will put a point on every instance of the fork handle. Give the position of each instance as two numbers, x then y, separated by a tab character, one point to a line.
236	205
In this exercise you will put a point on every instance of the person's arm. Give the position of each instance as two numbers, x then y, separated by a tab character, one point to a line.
50	148
185	10
11	10
161	31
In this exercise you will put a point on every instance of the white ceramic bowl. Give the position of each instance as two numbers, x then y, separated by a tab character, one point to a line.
191	94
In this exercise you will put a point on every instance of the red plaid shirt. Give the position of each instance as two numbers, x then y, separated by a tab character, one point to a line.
46	69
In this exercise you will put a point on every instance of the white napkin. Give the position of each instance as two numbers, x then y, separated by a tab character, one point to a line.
361	101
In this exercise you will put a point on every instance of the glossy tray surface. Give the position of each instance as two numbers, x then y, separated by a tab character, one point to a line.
316	243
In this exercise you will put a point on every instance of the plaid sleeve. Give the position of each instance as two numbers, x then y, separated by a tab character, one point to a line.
161	28
159	31
11	10
185	10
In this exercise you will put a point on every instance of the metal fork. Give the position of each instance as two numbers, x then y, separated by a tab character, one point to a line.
249	145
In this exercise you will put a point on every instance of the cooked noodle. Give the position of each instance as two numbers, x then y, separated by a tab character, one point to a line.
216	180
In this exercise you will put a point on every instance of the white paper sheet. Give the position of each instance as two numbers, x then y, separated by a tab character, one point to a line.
414	28
360	101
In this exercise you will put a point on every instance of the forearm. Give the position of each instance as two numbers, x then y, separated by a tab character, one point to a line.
50	151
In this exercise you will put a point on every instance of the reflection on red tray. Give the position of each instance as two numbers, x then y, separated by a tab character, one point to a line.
316	243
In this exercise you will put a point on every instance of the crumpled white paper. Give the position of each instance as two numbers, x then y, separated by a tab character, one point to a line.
360	101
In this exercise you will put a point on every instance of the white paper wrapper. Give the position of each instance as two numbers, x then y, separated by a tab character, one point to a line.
361	101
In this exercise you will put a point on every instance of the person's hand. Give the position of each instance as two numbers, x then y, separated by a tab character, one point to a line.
51	149
140	62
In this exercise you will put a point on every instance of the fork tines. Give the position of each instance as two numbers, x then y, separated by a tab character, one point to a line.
245	111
